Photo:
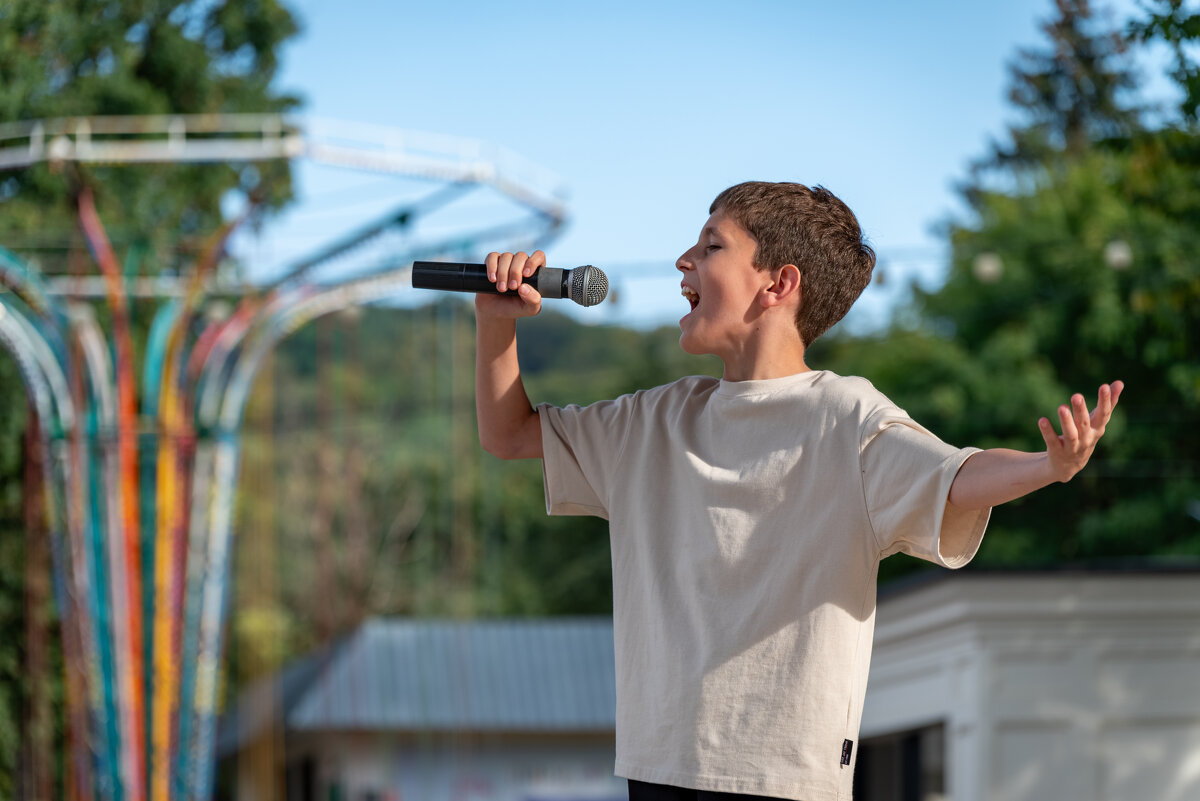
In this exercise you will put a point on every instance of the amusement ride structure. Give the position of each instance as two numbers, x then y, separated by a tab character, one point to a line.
139	463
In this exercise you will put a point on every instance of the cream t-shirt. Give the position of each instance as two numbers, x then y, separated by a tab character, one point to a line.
747	522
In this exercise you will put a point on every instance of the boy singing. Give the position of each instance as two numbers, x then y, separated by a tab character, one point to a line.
748	514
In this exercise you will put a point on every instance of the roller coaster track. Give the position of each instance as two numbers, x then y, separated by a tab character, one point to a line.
207	138
157	462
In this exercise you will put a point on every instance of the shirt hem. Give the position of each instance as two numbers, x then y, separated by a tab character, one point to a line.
725	784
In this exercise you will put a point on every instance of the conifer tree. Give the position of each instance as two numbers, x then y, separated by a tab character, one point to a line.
1073	92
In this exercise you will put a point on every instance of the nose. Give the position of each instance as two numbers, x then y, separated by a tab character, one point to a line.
684	262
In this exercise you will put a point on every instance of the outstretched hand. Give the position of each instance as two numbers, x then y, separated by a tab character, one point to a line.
999	475
1069	451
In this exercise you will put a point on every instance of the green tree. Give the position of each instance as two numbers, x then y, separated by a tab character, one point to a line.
1076	92
1077	266
71	58
1169	22
384	504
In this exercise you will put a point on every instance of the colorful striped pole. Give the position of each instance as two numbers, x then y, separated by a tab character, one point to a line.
140	502
129	597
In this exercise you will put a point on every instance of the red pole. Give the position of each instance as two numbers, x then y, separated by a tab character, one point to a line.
127	454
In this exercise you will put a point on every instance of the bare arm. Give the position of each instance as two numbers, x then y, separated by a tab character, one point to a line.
999	475
508	425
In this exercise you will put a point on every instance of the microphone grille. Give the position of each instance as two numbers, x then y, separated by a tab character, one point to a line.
589	285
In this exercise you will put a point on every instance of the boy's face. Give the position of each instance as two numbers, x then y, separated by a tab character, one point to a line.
721	284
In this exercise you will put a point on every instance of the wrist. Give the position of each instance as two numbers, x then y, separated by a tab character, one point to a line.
1051	472
494	335
487	318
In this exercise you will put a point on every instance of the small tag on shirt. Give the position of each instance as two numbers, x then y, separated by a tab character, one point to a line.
847	750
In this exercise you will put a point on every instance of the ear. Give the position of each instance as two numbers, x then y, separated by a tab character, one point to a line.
784	288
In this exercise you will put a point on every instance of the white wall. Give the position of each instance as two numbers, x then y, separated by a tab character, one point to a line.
1071	687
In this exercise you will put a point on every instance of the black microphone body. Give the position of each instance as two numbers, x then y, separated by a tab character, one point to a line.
586	285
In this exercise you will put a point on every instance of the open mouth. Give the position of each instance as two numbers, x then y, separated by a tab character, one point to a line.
692	296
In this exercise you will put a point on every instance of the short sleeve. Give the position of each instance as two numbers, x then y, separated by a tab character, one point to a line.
907	473
581	446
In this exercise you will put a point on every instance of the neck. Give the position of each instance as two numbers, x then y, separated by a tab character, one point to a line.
764	374
771	360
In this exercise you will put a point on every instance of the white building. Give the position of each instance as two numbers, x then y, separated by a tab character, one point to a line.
426	710
1054	686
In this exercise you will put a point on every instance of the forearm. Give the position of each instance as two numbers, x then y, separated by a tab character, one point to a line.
999	475
996	476
508	425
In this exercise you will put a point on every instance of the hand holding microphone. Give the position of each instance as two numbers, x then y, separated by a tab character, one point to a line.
513	285
510	295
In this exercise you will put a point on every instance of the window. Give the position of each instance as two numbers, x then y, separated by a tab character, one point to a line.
301	777
903	766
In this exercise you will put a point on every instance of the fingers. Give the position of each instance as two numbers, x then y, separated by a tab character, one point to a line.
1049	434
524	302
507	270
1080	415
492	263
515	298
531	297
1106	402
1067	415
1116	387
1104	407
1081	430
1077	423
499	265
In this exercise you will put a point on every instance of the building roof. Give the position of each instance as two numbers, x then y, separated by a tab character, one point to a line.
1117	568
541	675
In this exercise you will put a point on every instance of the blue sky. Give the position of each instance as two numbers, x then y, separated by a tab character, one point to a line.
647	109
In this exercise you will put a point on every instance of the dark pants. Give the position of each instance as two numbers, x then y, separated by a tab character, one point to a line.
644	791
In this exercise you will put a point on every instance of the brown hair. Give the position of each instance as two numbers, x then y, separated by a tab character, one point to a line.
812	229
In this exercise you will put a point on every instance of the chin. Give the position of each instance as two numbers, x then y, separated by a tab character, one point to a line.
690	346
691	335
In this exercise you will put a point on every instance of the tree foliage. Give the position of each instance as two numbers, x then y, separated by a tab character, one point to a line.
1178	27
1073	94
151	57
1075	265
380	500
1078	265
74	58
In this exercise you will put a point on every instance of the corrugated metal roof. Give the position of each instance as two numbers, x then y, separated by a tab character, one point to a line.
538	675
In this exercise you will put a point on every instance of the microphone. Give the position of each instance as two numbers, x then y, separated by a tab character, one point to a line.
586	285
